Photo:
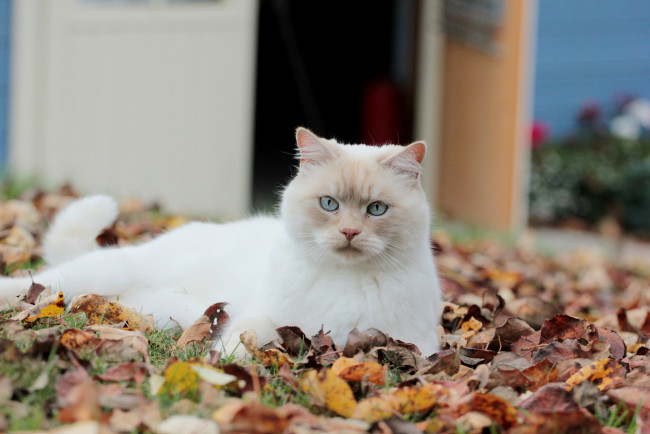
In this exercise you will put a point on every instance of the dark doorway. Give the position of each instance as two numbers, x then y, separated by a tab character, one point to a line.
343	69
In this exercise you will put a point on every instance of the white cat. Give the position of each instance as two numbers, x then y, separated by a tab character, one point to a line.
350	249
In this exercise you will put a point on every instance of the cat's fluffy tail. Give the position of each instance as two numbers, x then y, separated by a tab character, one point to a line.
76	227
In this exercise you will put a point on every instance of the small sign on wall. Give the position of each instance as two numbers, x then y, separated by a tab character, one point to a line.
474	23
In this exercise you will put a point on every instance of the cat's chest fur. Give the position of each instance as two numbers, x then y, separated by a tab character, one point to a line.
294	292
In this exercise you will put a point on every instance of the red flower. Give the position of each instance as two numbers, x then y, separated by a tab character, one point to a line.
589	114
538	134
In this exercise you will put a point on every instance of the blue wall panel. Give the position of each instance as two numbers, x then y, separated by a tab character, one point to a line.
589	50
5	55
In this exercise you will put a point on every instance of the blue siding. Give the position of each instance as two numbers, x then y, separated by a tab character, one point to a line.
5	55
589	50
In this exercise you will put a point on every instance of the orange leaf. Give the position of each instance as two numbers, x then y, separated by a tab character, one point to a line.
75	339
342	363
271	357
329	390
349	369
496	408
54	308
604	373
470	327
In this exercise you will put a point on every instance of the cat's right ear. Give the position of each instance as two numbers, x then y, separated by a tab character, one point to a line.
311	148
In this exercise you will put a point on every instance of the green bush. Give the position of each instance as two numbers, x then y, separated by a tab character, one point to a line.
591	178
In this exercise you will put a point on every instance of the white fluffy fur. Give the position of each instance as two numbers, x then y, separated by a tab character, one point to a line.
75	228
296	269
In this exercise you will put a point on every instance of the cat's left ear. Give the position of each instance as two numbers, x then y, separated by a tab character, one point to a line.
312	149
408	160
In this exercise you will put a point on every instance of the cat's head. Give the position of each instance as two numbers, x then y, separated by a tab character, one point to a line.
351	204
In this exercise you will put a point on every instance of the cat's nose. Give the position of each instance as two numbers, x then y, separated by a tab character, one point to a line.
350	233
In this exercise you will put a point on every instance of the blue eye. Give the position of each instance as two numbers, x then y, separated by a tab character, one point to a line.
377	208
328	203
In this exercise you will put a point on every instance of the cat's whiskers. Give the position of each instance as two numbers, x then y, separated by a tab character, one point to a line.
384	259
314	250
398	255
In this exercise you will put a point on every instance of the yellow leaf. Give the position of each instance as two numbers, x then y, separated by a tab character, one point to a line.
175	221
605	373
470	327
416	399
502	277
342	363
53	309
180	378
398	402
378	408
329	390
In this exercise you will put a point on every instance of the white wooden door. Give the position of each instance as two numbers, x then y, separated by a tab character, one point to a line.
145	98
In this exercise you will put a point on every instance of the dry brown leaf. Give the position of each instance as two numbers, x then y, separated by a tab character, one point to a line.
98	310
19	237
82	403
208	325
133	339
270	357
181	423
128	421
16	211
563	327
34	292
363	341
498	409
76	339
249	340
240	417
125	372
198	331
552	398
295	340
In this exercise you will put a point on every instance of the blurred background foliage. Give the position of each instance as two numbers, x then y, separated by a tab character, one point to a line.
600	172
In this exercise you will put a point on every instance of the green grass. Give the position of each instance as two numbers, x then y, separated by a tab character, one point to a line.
37	404
464	232
618	417
162	346
29	265
12	187
277	393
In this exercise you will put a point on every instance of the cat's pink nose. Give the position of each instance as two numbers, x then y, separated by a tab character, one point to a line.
350	233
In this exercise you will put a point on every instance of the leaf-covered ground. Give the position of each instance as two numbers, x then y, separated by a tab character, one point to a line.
530	344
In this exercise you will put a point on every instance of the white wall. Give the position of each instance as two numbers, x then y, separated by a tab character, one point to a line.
151	100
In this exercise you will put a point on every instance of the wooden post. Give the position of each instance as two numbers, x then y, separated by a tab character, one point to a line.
484	153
